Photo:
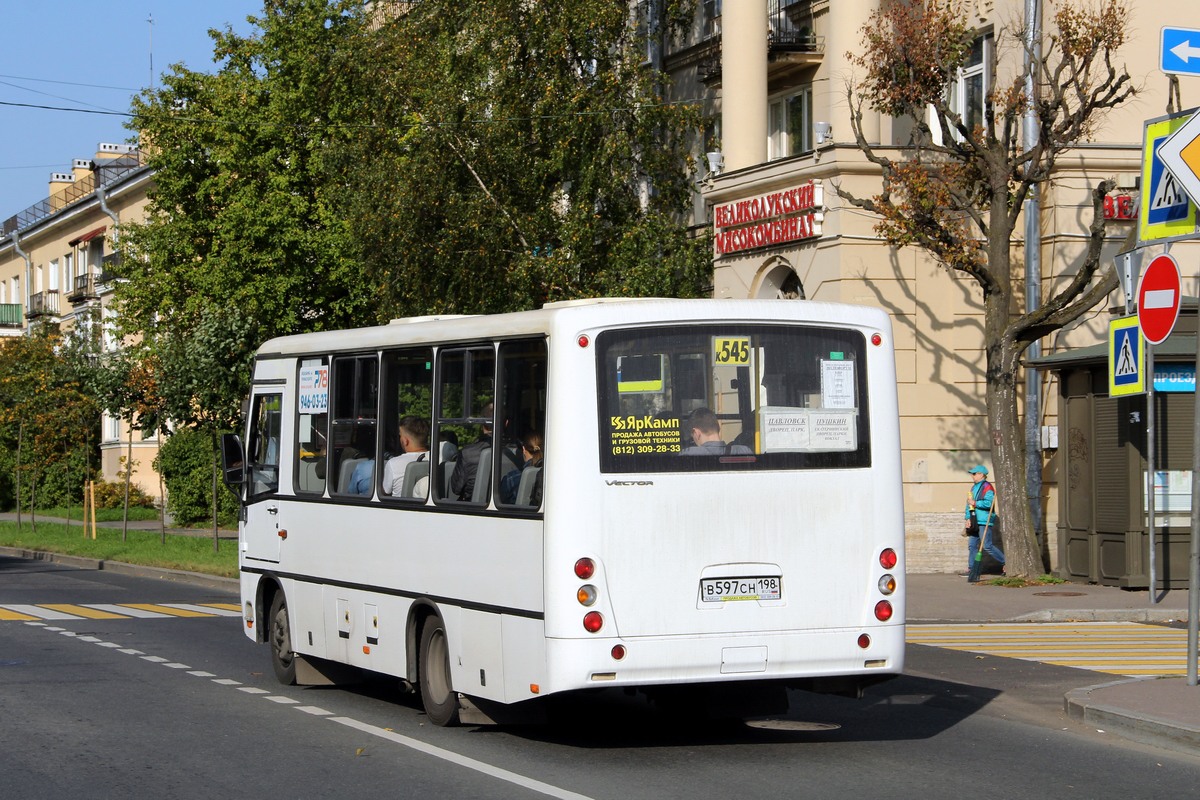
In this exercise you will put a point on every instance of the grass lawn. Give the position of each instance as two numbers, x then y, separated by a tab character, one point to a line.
191	553
102	514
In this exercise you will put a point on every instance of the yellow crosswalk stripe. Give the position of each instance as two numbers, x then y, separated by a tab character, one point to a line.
1121	648
226	606
82	611
174	612
15	616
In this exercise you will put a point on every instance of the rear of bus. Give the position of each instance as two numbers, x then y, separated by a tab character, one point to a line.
772	554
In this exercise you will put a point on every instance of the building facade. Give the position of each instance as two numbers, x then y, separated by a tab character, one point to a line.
773	75
55	260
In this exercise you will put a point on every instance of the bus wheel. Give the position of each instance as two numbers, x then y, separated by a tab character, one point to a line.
279	635
437	693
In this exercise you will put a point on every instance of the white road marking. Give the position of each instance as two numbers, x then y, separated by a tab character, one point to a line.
131	652
155	659
216	612
316	711
199	673
461	760
39	612
283	701
252	690
139	613
227	682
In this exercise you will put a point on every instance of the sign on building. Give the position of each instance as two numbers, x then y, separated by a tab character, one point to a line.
789	215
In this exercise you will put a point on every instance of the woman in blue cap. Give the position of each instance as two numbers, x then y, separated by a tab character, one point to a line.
980	500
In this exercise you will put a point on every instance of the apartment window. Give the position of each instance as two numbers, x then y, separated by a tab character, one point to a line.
968	93
790	125
712	17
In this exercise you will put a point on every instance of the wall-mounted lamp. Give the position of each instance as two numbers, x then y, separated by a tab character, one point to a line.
716	162
823	132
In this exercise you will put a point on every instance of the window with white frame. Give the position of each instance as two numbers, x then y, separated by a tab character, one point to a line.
53	275
789	125
968	93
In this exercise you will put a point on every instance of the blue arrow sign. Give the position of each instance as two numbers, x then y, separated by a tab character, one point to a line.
1180	51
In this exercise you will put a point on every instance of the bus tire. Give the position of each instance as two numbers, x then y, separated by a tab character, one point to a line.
437	692
279	637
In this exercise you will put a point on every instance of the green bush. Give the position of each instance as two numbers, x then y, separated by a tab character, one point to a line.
112	495
186	461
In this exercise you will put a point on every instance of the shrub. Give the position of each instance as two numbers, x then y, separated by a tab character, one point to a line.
112	495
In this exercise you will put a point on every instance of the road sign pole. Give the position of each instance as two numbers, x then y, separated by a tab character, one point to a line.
1151	527
1194	560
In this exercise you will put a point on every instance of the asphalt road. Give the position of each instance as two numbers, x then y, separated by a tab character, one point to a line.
189	708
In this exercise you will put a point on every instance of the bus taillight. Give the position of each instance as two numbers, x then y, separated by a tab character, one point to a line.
887	584
592	621
864	641
586	595
585	568
888	559
618	652
883	611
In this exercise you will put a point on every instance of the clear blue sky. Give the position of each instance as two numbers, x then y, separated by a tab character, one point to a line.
90	56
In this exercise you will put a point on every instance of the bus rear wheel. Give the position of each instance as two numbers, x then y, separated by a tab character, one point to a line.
437	692
279	636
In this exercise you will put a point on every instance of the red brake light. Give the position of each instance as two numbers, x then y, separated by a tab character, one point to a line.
883	611
592	621
888	558
864	641
583	340
876	339
618	652
585	568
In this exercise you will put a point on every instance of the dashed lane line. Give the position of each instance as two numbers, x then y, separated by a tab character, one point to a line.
417	745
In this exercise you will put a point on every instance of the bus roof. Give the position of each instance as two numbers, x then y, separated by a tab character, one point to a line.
580	314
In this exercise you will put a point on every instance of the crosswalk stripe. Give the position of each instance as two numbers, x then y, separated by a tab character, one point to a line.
1121	648
14	616
169	610
127	611
83	611
38	612
207	610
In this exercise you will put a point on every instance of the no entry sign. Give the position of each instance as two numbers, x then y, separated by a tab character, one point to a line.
1158	299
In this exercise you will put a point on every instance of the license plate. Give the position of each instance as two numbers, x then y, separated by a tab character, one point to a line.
723	590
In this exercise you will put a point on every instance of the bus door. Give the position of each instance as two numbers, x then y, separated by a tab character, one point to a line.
262	532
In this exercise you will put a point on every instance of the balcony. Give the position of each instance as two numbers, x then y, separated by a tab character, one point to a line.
10	316
792	47
104	174
84	290
110	266
43	304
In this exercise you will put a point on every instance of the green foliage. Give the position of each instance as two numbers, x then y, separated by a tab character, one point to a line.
49	425
239	228
185	461
515	153
110	495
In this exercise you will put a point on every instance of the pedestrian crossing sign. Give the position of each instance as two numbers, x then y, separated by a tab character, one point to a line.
1167	212
1126	358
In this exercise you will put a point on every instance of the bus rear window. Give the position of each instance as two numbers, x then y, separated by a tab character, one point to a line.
729	397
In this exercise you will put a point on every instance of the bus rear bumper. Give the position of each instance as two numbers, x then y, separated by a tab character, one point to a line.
805	659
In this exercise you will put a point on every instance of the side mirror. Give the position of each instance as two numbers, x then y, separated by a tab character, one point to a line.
233	462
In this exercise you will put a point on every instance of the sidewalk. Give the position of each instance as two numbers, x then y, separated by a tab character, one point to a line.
1161	712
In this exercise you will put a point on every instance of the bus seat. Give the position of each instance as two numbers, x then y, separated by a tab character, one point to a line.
525	488
449	450
307	478
414	471
346	472
443	488
483	477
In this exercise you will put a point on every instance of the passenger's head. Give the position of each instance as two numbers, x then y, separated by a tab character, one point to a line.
704	421
489	411
414	434
532	444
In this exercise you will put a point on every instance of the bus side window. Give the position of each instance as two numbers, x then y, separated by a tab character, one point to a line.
355	394
466	417
312	426
522	414
407	393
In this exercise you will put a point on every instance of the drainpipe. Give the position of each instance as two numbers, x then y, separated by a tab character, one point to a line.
100	196
16	237
1033	273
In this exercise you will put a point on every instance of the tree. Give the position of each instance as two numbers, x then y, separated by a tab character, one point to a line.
957	190
512	153
239	216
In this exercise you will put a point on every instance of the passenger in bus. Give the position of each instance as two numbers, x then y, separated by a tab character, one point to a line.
362	477
462	480
531	449
706	436
414	442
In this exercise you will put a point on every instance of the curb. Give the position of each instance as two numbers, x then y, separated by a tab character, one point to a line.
122	568
1105	615
1138	727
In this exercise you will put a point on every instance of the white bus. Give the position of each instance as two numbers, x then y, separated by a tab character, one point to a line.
716	504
